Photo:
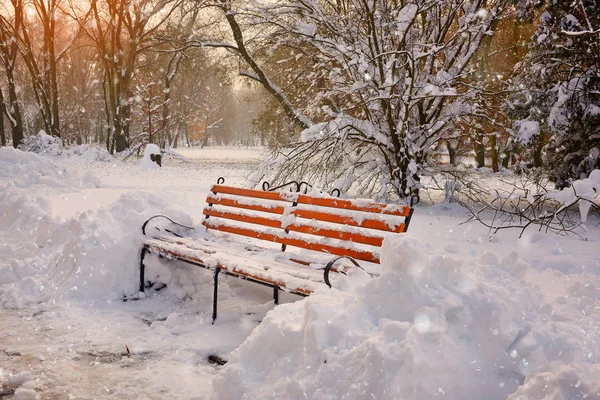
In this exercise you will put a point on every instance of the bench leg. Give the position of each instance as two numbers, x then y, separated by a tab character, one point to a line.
142	267
276	295
215	294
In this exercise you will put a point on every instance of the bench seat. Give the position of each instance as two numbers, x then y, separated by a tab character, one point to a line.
287	275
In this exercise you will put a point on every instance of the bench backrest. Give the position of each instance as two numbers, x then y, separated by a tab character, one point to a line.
324	224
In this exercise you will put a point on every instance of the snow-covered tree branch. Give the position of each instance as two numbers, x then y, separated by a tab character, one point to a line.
386	80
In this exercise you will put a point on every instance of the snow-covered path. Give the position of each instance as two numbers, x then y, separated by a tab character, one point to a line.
69	235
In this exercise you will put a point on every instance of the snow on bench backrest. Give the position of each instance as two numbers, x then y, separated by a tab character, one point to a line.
323	224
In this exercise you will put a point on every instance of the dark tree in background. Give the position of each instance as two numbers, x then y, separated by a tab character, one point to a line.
8	58
559	87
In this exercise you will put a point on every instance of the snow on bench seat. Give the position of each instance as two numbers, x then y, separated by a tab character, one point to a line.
288	277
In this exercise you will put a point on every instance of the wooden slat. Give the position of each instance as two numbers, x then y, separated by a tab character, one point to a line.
235	270
377	208
302	228
250	219
335	234
339	219
257	194
239	204
357	254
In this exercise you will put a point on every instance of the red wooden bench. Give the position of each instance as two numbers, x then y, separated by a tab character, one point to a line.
347	229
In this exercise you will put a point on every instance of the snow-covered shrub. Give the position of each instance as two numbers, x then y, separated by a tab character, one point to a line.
558	86
47	145
42	143
90	153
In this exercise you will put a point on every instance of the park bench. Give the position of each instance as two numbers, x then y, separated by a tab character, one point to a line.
320	227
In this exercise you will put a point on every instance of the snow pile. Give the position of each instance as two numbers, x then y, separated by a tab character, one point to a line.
561	382
93	255
89	153
42	143
586	189
150	153
429	326
21	385
32	172
46	145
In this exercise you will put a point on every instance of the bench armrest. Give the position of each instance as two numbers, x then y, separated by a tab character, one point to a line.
164	216
330	265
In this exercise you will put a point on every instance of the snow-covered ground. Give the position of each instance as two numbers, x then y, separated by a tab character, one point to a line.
455	314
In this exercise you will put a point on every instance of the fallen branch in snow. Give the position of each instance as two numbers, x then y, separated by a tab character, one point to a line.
526	202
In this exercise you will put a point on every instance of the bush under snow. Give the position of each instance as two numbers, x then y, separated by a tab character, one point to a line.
47	145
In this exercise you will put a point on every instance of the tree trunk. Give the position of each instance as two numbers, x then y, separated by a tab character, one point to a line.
175	139
165	109
506	159
538	143
494	149
2	111
205	138
149	105
16	121
122	136
479	151
452	153
187	134
49	27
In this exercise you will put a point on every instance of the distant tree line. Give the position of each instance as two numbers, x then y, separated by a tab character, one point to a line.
345	92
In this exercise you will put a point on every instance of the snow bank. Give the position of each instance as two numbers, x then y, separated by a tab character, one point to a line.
147	161
89	153
586	189
429	326
34	173
93	255
20	384
42	143
561	382
46	145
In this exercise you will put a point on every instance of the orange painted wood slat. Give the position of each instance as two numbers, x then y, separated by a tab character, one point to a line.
339	219
340	251
378	208
335	234
250	219
235	270
302	228
257	194
238	204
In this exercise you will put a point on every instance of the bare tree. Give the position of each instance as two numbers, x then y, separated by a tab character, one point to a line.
8	57
519	202
41	57
390	80
120	30
2	112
